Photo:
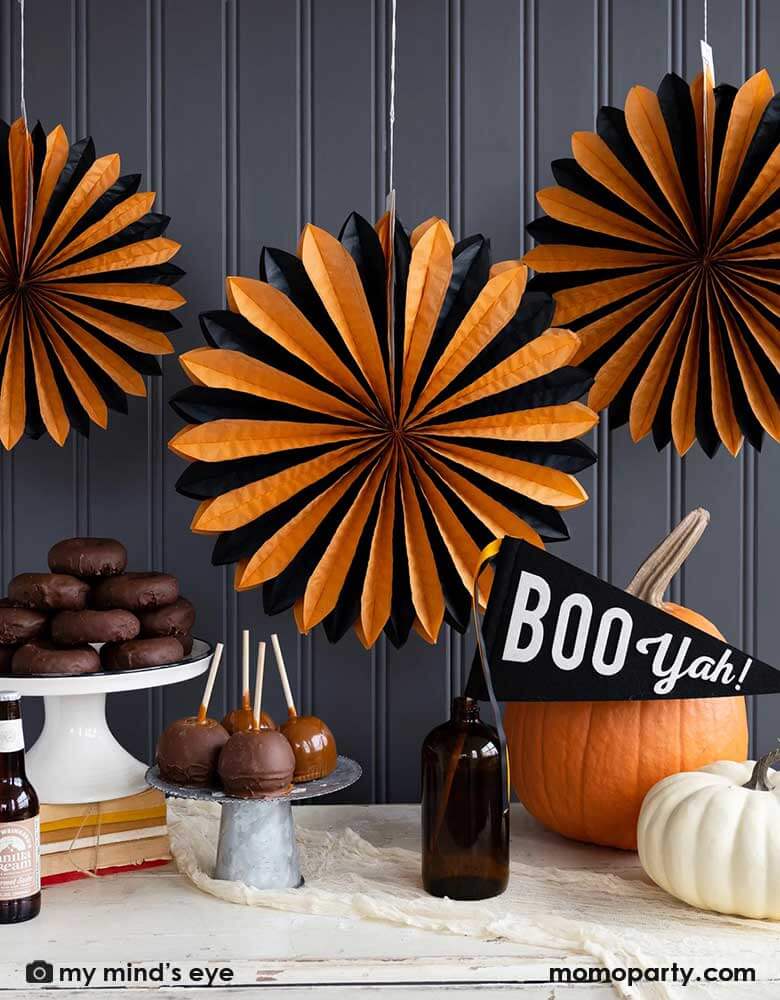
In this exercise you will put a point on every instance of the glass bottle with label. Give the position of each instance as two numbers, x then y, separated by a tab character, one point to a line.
465	821
20	837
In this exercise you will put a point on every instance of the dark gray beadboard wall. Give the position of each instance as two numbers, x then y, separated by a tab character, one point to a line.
250	117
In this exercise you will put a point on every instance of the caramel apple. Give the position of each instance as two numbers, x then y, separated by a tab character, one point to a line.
242	719
313	744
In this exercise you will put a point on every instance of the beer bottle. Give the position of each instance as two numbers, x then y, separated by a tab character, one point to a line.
20	837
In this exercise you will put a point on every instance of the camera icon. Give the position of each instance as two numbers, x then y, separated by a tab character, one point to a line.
40	972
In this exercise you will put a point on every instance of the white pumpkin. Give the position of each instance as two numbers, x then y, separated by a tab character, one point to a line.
712	837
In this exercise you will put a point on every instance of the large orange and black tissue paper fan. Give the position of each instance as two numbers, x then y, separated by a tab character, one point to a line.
85	294
661	247
356	475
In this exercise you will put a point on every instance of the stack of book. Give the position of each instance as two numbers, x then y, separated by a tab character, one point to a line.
103	838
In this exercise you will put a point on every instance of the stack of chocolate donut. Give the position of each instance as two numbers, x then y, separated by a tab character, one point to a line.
88	614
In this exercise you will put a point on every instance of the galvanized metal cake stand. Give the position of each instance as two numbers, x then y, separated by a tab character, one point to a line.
257	836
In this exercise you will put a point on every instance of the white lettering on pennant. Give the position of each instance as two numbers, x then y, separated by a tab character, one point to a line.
672	658
522	614
626	624
700	667
584	615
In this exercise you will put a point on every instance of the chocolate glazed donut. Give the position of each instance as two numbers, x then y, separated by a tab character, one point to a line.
141	653
74	628
174	619
40	658
136	591
88	557
18	625
48	591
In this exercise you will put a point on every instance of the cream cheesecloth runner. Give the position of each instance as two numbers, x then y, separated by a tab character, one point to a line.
620	920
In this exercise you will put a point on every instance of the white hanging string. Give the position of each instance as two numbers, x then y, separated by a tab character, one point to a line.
705	20
391	115
21	62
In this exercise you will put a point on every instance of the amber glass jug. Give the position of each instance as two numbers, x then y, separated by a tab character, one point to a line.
465	821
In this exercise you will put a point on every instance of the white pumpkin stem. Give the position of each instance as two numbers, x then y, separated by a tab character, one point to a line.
655	574
758	778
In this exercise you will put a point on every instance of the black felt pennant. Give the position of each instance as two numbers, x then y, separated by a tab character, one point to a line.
554	632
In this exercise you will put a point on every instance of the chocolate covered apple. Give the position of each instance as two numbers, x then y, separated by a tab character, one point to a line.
257	763
189	749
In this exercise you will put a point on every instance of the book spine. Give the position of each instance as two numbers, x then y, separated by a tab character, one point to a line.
50	880
128	837
92	819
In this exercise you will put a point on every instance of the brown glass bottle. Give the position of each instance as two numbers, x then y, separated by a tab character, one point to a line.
20	878
465	827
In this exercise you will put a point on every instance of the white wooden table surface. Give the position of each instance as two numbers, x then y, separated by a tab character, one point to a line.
159	917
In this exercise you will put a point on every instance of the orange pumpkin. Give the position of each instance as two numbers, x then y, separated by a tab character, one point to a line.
583	768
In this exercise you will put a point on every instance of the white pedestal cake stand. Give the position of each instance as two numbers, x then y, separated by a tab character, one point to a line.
77	758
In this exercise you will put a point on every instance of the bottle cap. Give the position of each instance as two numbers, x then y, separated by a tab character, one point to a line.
10	696
465	708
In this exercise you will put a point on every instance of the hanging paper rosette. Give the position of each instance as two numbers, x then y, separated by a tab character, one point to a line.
356	476
660	245
84	285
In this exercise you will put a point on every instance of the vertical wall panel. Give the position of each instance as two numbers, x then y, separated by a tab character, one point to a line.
41	469
406	708
492	112
266	146
725	22
116	509
252	117
718	484
565	66
724	485
190	86
422	94
338	681
766	24
37	471
639	512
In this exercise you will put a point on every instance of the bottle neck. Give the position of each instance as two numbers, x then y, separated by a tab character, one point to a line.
465	710
12	766
11	740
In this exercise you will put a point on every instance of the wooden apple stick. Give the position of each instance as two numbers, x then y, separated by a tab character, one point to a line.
259	684
246	700
215	661
283	677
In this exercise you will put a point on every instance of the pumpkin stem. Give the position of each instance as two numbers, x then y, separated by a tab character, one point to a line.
758	778
656	572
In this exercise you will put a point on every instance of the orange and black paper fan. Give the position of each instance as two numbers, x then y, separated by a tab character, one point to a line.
84	285
661	247
355	475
